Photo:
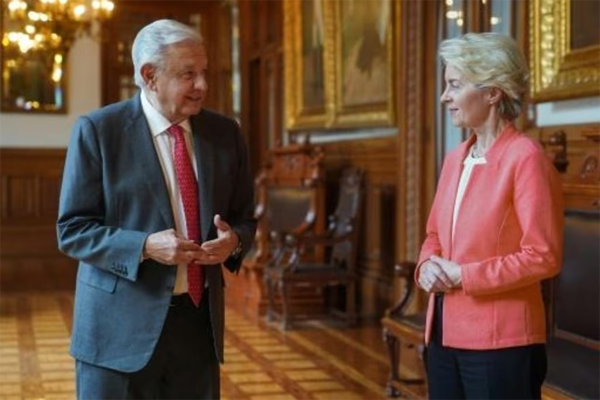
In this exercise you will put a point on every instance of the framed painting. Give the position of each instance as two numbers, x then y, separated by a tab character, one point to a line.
364	70
307	63
565	49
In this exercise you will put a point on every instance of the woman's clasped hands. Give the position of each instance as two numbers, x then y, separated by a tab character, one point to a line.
439	275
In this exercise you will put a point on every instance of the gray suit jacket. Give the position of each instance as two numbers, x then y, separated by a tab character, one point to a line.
113	196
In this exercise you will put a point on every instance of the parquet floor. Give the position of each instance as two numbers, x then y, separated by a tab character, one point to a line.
262	363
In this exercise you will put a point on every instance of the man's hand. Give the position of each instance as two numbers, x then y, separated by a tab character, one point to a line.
169	247
216	251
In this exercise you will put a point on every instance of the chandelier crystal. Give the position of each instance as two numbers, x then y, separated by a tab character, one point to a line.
51	25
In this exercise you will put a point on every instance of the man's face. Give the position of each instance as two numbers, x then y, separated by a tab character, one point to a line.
178	89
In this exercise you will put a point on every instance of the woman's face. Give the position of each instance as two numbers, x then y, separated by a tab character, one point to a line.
469	106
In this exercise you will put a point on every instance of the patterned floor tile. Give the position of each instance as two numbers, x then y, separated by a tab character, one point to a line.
262	363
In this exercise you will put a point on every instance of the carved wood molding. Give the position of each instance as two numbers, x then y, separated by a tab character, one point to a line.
581	179
377	157
411	130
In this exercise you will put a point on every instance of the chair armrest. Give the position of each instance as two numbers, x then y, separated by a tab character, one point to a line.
295	240
404	270
305	226
277	248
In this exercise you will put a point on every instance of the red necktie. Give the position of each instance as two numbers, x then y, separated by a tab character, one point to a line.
188	188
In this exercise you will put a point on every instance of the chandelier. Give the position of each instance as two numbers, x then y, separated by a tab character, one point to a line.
51	26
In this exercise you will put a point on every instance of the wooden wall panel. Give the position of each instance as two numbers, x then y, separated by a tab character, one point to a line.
567	343
377	238
20	192
581	180
261	71
30	187
49	192
416	172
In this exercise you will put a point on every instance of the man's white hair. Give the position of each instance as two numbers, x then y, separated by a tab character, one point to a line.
151	41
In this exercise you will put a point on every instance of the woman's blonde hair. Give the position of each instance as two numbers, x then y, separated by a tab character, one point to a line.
490	60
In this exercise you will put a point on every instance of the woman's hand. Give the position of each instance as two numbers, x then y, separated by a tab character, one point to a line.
452	270
433	278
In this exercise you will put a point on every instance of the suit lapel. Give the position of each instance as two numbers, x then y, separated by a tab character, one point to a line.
147	161
204	152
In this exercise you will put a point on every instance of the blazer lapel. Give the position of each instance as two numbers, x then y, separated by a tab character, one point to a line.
452	187
448	212
204	152
146	159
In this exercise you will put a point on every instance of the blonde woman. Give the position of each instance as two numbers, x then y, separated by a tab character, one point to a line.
493	234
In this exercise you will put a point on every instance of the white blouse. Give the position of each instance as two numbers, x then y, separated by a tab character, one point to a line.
468	164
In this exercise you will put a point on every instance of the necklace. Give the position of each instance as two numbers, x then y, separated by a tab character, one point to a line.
476	153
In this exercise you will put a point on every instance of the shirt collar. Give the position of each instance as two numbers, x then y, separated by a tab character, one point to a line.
497	148
156	121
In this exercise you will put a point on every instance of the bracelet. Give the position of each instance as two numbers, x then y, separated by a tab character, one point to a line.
238	249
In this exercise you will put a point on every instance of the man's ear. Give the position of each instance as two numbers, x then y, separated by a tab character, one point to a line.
148	73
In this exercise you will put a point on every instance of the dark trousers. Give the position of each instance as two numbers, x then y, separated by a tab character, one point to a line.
184	364
509	373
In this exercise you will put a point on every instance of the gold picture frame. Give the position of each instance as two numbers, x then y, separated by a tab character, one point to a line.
364	63
325	86
308	73
565	62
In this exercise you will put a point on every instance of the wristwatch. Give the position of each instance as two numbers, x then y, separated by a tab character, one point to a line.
238	249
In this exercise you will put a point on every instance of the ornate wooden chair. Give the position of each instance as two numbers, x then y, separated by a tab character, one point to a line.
287	269
401	328
573	309
290	193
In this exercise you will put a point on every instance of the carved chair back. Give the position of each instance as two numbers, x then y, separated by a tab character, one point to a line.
346	218
290	191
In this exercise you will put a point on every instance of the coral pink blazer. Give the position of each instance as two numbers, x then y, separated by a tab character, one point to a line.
508	238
